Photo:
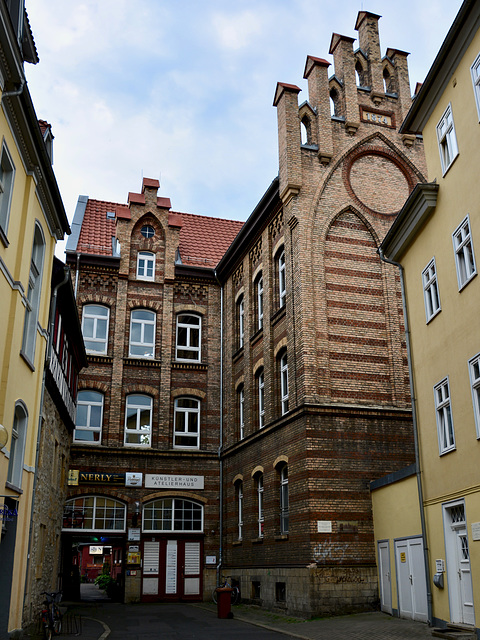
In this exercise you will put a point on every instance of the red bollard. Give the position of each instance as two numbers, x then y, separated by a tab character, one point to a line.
224	602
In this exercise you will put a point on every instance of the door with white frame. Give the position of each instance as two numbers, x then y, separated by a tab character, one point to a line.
172	531
460	590
385	584
411	582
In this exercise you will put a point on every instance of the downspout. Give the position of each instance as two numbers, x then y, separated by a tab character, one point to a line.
77	269
220	461
415	434
53	306
15	92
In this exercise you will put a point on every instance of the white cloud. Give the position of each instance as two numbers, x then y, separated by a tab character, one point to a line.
237	31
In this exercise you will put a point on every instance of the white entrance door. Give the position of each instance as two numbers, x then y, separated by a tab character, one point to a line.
384	574
465	577
459	575
412	585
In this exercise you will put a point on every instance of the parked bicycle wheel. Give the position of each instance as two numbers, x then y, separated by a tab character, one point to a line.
57	620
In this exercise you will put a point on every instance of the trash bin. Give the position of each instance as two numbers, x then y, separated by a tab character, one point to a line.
224	602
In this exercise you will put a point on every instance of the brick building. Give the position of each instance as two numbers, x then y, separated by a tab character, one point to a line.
145	450
281	347
316	379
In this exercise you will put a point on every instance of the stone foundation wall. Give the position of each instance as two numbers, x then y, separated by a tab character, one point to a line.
309	592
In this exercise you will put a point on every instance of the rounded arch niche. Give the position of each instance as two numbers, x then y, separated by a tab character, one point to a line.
377	181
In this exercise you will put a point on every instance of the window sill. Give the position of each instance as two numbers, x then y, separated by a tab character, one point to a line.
237	543
256	336
464	284
278	315
257	540
138	361
189	365
12	487
449	450
238	354
27	360
281	536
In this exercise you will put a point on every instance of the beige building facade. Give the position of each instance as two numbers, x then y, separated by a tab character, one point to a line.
436	239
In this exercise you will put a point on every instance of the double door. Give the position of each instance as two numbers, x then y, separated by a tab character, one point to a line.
412	585
171	569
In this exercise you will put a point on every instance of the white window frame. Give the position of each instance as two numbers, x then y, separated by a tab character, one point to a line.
284	382
260	302
7	179
144	324
191	351
34	293
164	514
447	139
474	371
240	509
88	313
260	510
261	398
17	446
241	321
443	411
431	292
89	428
241	411
284	508
282	285
95	509
190	418
142	431
475	71
464	254
146	266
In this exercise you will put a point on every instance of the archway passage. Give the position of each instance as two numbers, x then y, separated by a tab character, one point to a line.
94	548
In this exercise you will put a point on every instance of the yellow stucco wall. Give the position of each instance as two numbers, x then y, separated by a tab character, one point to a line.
444	346
18	380
396	515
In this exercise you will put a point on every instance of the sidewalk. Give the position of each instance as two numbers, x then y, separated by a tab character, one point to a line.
362	626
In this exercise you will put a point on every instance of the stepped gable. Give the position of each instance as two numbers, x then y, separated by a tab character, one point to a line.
203	240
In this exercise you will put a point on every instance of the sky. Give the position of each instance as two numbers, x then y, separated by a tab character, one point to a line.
182	90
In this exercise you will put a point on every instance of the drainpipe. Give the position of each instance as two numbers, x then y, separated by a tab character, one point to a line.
415	434
76	274
220	461
15	92
53	306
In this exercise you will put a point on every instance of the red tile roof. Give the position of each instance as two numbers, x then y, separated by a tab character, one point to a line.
203	240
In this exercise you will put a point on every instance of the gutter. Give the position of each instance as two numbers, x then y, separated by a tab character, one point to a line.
415	436
220	447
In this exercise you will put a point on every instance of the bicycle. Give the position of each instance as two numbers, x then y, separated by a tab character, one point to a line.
51	614
235	594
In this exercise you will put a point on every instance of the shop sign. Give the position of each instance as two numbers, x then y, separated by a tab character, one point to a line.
324	526
133	535
6	514
129	479
163	481
133	479
96	551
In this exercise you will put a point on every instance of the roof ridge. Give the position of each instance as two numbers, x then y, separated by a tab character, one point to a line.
200	215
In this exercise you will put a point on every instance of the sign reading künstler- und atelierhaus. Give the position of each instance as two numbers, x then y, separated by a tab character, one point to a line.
170	481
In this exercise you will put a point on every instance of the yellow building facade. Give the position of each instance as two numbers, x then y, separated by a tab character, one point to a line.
436	240
32	219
